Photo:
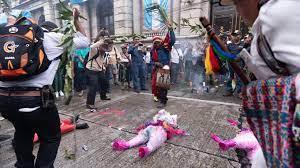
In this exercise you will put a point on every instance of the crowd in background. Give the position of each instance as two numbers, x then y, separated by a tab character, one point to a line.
124	66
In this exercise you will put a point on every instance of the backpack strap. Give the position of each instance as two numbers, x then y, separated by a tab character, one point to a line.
23	19
266	53
94	57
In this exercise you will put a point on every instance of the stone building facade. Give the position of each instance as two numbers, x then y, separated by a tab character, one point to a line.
120	17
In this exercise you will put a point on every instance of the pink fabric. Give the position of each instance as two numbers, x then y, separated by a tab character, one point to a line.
153	134
245	140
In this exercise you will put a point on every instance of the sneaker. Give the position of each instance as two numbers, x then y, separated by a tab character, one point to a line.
61	93
155	99
57	95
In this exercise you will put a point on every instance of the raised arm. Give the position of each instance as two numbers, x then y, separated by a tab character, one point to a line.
77	23
80	39
130	49
172	36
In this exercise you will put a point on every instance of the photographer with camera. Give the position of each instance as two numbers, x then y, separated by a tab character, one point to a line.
137	51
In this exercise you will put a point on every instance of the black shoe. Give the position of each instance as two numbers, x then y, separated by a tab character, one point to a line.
136	91
82	126
105	98
145	89
91	107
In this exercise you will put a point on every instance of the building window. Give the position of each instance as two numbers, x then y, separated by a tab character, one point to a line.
105	15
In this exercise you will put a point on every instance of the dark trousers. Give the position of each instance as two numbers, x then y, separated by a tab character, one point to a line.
162	96
174	72
96	83
59	80
44	122
108	77
80	79
187	71
125	73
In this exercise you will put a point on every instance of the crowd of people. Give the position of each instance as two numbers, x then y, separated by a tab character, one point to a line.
132	65
274	61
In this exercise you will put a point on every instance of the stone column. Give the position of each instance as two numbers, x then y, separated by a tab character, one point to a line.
123	17
93	19
192	12
136	9
49	11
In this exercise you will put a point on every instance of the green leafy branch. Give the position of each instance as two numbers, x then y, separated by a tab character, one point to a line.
127	37
68	30
197	28
163	14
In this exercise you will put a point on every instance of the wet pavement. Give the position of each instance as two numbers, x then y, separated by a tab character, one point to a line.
198	114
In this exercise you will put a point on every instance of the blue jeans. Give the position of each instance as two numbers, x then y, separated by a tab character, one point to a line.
139	76
148	70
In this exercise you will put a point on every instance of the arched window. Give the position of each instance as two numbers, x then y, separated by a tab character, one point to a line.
105	15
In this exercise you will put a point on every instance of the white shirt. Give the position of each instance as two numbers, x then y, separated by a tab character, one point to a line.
51	45
176	55
279	21
123	57
148	57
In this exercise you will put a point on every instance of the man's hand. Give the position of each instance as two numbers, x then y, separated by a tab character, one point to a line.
77	24
76	14
169	25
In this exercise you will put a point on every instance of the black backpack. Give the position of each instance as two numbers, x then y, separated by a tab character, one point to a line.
22	53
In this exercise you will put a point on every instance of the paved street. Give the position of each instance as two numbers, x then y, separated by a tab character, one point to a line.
199	115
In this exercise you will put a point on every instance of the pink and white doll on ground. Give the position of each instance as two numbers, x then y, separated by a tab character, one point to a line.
246	141
153	134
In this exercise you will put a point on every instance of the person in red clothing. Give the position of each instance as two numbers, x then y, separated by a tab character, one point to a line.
160	56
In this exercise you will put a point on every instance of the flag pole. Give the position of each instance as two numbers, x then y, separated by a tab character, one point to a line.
234	65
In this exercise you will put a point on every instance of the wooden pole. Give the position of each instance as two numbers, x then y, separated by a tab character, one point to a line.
213	35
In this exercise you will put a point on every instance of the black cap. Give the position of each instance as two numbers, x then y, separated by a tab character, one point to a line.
48	25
